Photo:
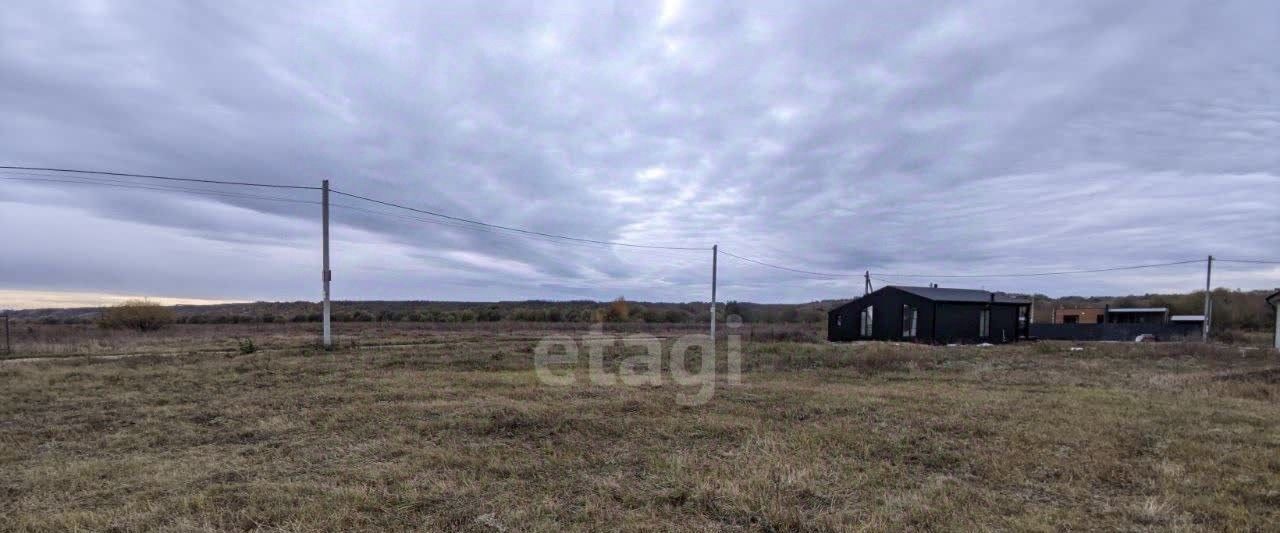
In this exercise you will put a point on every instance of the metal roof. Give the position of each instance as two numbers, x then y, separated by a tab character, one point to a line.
1187	318
1139	310
1274	299
939	294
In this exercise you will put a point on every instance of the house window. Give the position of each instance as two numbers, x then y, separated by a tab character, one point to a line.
909	316
867	315
984	323
1071	319
839	320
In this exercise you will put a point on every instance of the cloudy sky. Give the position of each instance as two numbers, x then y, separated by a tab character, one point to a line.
904	138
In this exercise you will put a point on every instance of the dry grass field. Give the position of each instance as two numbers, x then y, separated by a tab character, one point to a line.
442	430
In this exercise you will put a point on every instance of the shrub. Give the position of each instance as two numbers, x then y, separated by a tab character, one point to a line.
141	315
247	347
618	311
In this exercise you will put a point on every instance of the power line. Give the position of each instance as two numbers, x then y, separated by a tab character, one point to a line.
76	177
1252	261
1006	275
88	180
127	185
1038	274
154	177
504	245
491	231
107	182
469	227
517	230
788	269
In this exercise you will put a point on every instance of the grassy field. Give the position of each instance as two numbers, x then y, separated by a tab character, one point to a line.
436	429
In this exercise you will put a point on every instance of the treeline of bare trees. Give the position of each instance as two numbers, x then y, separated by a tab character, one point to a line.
619	310
616	311
1233	310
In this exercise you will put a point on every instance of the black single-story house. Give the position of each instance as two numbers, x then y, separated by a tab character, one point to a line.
930	314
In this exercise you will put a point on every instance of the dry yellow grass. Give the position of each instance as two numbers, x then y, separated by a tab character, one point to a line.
452	431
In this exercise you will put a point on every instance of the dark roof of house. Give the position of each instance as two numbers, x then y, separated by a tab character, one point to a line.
939	294
1274	299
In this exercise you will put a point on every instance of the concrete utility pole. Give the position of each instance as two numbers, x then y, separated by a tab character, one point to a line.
715	254
8	349
866	286
327	275
1208	303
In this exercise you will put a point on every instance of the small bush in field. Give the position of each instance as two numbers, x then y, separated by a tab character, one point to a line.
247	347
141	315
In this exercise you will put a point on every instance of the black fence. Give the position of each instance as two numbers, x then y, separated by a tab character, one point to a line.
1114	332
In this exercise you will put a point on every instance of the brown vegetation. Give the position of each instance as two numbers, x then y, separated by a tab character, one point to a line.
1234	310
141	315
438	429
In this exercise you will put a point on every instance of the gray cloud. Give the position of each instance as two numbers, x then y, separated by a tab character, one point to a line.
946	138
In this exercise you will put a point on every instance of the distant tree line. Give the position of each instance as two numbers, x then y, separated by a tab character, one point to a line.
619	310
1233	309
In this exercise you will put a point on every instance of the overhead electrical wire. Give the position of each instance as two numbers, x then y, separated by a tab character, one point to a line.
166	178
788	269
882	280
830	275
501	245
482	229
1250	261
517	230
88	177
491	231
1038	274
125	185
59	176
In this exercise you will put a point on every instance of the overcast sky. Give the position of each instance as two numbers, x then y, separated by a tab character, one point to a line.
982	137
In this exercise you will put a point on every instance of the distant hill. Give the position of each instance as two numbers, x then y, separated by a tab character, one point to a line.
1232	310
436	311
